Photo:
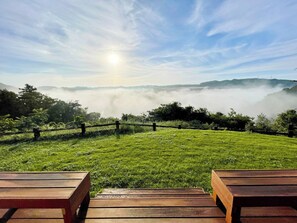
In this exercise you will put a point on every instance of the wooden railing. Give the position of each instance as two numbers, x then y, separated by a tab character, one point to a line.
37	132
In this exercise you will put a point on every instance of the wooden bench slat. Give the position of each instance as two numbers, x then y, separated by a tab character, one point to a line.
153	202
154	212
37	213
117	196
269	220
154	191
39	183
36	193
3	212
259	181
256	173
165	212
42	175
158	220
36	220
264	191
148	220
268	212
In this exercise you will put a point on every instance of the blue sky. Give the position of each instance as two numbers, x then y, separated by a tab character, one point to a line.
141	42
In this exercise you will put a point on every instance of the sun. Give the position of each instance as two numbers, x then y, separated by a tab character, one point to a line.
114	59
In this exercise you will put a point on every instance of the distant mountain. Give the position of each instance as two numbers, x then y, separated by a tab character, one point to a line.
225	84
278	102
292	91
152	87
8	87
250	83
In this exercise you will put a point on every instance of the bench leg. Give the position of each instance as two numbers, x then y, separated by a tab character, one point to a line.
82	212
68	216
233	214
218	202
85	203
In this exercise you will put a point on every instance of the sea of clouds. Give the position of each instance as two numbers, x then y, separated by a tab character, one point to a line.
116	101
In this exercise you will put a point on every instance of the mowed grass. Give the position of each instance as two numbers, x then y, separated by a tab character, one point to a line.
162	159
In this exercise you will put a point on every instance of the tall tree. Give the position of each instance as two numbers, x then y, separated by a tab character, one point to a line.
9	103
284	119
62	111
31	99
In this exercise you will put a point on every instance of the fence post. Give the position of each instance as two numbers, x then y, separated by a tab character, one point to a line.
291	130
117	123
83	129
36	132
179	126
154	127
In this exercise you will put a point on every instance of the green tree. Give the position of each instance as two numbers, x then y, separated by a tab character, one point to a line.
237	121
62	111
284	119
133	118
36	119
219	119
9	103
7	123
93	117
31	99
263	123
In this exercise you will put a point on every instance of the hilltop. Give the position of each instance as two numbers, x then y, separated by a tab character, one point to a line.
162	159
8	87
248	83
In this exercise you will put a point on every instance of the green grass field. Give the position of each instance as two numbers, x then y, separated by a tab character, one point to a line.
162	159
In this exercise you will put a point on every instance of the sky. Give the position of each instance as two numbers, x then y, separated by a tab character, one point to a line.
141	42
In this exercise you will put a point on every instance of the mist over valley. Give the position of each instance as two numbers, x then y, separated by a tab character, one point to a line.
247	96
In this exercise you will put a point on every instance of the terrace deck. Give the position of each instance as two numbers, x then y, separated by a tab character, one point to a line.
151	205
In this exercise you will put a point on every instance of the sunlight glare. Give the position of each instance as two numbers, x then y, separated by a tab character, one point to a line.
114	59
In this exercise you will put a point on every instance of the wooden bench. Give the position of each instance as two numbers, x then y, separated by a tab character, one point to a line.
155	206
234	189
63	190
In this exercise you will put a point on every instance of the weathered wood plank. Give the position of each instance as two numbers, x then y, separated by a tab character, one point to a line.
268	212
239	181
37	213
256	173
39	183
156	220
117	196
172	212
36	193
264	191
153	202
3	212
42	175
269	220
153	191
36	220
148	220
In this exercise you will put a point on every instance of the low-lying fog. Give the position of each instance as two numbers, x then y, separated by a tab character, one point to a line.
115	102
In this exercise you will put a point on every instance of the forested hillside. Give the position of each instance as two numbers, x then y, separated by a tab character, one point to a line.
29	109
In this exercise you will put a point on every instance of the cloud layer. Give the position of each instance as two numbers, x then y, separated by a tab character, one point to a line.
115	102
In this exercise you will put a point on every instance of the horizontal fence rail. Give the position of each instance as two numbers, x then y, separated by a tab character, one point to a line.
37	132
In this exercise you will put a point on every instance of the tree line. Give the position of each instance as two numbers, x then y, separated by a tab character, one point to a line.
204	119
30	109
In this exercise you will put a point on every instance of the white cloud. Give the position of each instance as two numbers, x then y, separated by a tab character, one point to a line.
59	42
115	102
243	17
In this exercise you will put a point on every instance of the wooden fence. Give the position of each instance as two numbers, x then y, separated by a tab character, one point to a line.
36	131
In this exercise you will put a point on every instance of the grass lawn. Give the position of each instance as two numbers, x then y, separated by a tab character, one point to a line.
162	159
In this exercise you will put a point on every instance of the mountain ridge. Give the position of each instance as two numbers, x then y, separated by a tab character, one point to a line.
215	84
